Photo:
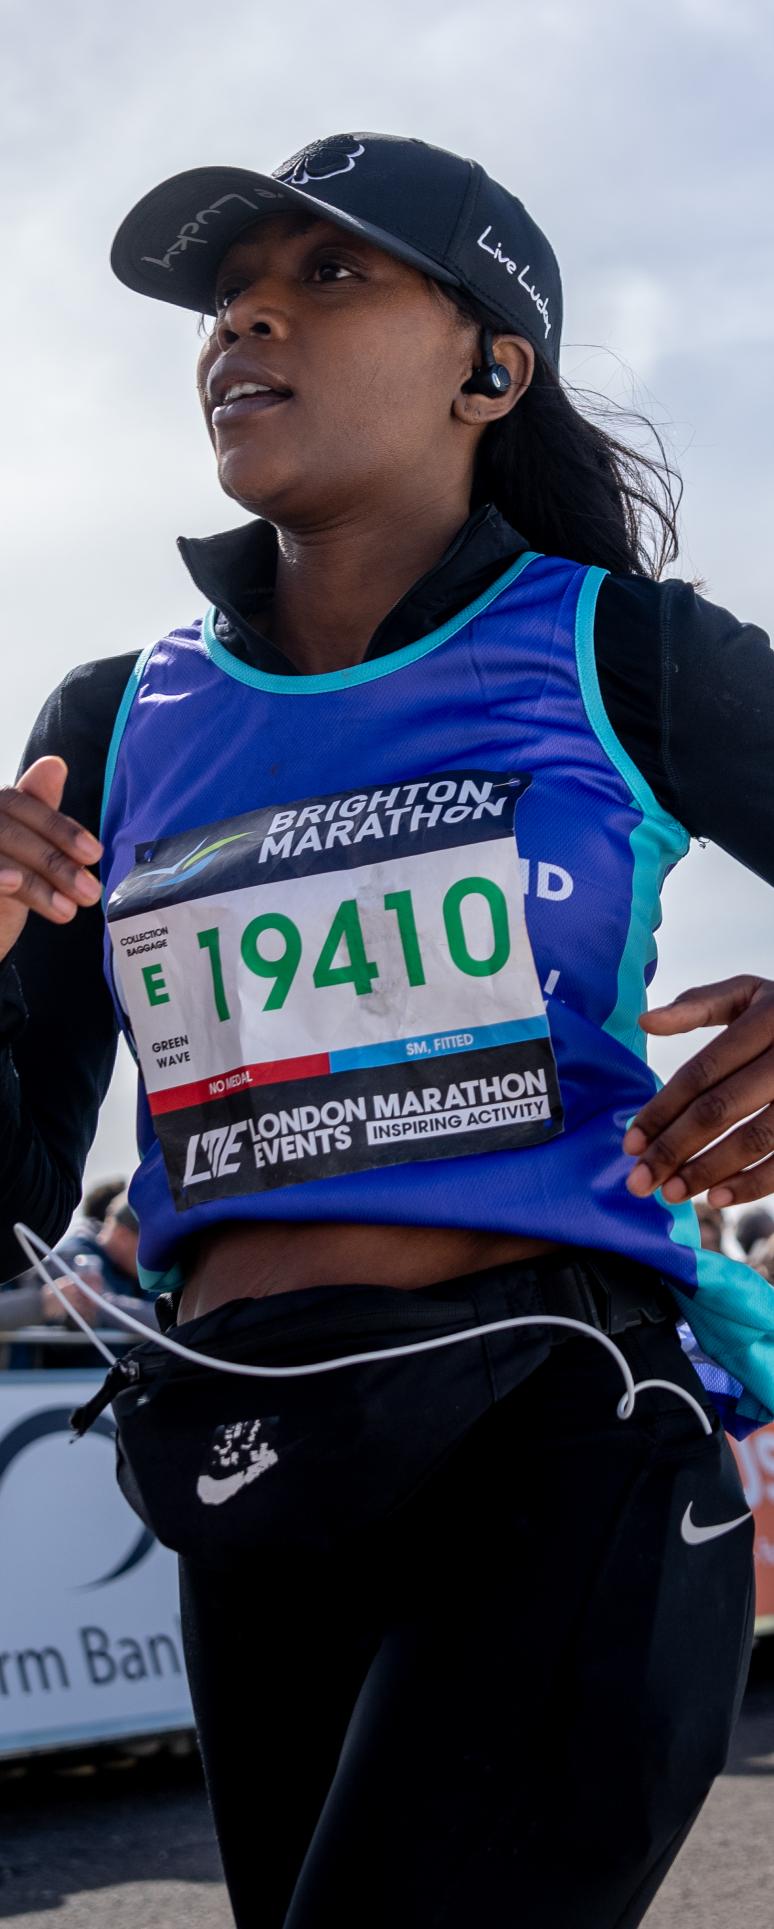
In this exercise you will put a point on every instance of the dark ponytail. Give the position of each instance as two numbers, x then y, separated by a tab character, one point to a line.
568	487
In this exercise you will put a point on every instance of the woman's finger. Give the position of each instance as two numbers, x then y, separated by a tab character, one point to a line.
727	1162
747	1036
756	1183
34	802
37	856
703	1005
36	893
718	1107
43	852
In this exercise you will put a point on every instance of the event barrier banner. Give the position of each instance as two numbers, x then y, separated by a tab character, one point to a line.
755	1460
90	1645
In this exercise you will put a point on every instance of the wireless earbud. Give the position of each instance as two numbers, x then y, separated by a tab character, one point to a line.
492	378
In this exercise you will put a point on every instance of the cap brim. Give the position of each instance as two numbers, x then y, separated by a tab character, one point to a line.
171	242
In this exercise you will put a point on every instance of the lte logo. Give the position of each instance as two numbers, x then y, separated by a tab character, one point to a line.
222	1150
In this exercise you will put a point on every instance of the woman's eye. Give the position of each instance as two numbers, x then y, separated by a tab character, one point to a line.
338	265
226	295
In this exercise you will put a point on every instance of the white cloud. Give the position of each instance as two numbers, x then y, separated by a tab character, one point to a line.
724	19
635	315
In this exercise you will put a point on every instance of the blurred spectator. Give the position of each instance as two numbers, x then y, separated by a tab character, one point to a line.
102	1246
711	1226
113	1245
95	1202
752	1226
761	1258
108	1261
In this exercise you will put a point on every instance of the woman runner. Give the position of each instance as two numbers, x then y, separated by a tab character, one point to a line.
382	837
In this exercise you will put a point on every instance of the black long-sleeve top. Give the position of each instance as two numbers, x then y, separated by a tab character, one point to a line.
688	689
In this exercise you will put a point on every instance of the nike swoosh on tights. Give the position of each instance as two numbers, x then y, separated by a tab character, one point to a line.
695	1535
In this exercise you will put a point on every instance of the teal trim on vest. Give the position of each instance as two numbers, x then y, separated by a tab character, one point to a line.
731	1311
731	1314
122	718
156	1283
656	843
315	686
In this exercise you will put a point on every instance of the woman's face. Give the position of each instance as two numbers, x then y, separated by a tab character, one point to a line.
375	363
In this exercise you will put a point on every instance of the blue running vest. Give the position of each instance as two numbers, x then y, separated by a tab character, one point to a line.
379	940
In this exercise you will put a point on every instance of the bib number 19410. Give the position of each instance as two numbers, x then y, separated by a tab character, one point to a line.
271	945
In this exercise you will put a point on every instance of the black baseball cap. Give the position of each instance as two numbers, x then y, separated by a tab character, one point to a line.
435	210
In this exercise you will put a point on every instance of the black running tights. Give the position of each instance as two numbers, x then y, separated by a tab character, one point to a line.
503	1707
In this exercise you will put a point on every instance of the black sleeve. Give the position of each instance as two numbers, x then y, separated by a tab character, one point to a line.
689	691
57	1026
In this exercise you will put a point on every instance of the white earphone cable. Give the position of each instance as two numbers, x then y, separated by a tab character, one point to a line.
28	1240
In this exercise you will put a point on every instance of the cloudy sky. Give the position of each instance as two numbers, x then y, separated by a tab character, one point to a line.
637	135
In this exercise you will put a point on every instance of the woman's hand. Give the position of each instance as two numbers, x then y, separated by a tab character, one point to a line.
727	1080
42	853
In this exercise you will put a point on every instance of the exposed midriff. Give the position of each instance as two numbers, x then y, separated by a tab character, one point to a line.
247	1260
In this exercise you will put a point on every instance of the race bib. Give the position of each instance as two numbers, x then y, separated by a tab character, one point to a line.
341	983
